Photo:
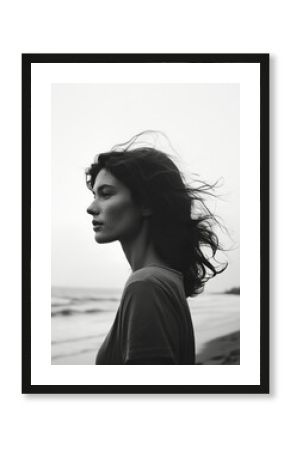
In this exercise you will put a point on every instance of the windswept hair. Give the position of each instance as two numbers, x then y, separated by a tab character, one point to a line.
181	226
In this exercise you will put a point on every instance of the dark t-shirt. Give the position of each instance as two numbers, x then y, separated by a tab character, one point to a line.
153	322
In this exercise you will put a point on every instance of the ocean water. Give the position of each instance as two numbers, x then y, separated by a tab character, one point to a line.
82	317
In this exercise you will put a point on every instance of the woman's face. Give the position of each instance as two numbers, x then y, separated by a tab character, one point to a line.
115	215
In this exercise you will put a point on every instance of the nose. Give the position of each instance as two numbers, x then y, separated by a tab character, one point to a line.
93	209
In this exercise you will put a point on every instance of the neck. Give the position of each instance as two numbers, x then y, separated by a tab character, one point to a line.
139	250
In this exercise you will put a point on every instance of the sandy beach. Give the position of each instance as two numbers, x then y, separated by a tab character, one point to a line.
216	319
222	350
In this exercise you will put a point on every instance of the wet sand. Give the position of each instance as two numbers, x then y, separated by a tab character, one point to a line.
222	350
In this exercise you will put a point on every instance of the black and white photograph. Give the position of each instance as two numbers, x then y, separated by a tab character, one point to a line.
146	169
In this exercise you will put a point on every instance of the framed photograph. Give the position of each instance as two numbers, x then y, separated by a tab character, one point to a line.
145	232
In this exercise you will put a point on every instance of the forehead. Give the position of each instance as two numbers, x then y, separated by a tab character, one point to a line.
106	177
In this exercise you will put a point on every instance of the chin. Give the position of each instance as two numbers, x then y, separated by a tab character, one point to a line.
103	239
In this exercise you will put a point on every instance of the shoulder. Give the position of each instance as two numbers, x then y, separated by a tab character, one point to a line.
143	293
166	281
138	289
153	286
146	274
146	282
155	275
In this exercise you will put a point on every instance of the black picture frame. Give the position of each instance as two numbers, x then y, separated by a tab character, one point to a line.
232	58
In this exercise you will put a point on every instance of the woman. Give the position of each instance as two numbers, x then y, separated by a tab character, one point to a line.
141	200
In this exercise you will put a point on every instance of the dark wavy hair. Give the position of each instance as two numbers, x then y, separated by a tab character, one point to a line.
181	225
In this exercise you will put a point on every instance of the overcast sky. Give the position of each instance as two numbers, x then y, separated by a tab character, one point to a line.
202	123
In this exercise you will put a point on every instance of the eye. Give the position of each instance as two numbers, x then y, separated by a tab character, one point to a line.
105	194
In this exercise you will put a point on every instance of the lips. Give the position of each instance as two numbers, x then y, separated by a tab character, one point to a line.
96	223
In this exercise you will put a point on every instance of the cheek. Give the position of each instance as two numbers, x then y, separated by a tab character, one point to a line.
124	214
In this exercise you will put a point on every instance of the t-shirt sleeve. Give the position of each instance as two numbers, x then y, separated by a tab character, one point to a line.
148	326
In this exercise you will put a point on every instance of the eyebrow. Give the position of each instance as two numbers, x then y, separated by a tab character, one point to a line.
102	186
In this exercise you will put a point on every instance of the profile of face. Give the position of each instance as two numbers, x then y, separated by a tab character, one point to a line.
115	215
